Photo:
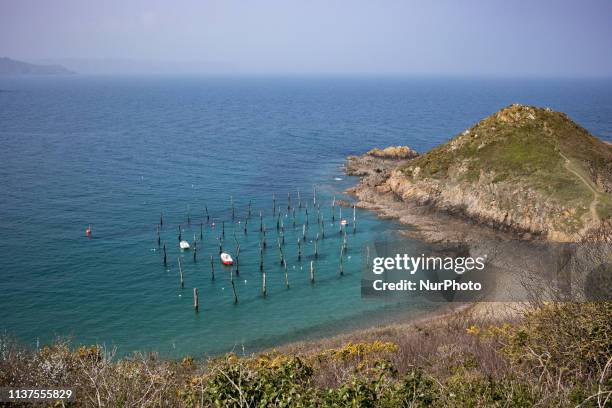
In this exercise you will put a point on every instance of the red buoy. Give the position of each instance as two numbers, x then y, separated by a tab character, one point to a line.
88	231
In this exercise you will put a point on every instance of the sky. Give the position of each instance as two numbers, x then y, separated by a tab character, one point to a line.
398	37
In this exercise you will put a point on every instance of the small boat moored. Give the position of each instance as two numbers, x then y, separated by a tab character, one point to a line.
184	245
226	259
343	222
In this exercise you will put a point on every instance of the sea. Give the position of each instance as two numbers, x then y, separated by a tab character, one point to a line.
121	153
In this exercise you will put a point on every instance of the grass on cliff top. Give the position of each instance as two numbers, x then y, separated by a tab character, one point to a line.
524	145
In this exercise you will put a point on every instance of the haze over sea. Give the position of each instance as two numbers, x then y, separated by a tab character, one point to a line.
114	152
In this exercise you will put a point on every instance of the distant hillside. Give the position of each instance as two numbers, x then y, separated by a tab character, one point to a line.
526	168
12	67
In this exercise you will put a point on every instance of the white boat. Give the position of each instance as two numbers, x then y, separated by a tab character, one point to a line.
226	259
344	222
184	245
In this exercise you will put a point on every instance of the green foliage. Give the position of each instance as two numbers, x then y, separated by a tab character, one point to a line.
524	146
555	355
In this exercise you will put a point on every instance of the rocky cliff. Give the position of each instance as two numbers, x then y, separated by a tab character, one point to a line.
523	168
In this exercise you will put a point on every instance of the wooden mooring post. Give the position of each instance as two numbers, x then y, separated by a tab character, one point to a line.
233	288
260	222
180	235
261	259
280	252
273	205
195	249
263	284
196	304
165	256
312	272
341	264
158	237
286	274
212	268
238	260
181	273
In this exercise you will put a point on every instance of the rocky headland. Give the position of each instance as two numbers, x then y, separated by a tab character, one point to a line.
526	171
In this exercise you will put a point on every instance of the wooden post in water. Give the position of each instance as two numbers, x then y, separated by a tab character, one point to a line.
180	236
316	250
207	215
288	201
158	237
312	272
212	268
322	228
165	257
280	251
334	210
283	239
341	264
161	219
245	226
238	260
299	248
233	288
286	274
181	273
306	220
263	284
220	245
304	232
196	304
264	242
195	248
299	199
261	258
260	222
294	218
273	205
201	231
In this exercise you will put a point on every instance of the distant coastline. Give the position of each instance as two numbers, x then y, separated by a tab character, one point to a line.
10	67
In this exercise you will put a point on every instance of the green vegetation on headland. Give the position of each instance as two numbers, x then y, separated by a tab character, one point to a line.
553	355
527	168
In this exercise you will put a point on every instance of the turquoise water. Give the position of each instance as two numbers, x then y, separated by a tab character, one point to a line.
114	152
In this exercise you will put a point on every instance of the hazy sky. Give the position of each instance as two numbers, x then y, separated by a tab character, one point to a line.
449	37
